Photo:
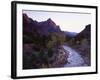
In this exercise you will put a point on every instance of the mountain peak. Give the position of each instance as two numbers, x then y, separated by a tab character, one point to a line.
43	28
88	27
51	22
49	19
86	33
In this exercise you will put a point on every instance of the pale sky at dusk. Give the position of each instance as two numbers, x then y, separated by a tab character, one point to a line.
74	22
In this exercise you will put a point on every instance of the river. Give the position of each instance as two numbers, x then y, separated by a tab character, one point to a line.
74	59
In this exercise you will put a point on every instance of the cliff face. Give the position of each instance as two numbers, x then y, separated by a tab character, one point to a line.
42	28
86	33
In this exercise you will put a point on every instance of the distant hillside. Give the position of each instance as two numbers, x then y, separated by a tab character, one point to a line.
70	34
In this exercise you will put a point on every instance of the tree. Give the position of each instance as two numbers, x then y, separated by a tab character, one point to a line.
57	39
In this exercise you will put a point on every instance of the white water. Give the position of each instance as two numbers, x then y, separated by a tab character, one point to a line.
74	59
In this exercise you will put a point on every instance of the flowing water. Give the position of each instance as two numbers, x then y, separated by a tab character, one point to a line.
74	59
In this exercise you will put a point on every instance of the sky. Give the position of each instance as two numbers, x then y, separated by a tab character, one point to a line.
68	21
